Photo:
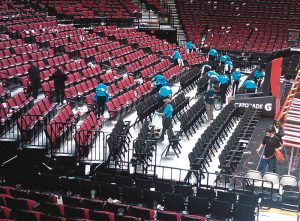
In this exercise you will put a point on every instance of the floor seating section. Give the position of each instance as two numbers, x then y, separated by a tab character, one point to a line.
25	204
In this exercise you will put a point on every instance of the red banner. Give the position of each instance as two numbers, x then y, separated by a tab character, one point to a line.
275	82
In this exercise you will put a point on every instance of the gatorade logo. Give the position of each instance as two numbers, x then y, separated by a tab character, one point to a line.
268	107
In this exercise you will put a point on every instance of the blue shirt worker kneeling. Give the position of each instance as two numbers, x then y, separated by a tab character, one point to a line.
175	57
101	97
213	78
212	54
223	80
165	92
235	76
167	115
159	81
249	86
258	75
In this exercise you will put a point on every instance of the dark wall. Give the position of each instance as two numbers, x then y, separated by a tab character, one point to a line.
169	35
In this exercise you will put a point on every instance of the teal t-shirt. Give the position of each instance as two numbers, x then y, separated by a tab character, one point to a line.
168	111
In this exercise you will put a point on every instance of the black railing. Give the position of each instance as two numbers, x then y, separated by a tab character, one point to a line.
91	146
31	129
8	124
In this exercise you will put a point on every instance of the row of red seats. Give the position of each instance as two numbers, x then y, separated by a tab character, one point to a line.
28	122
76	65
172	73
47	30
27	49
109	46
121	51
129	36
84	135
32	25
81	89
122	104
134	56
153	43
197	60
100	29
115	90
163	48
113	30
163	65
11	43
110	77
149	72
3	93
59	125
14	71
71	47
84	37
92	71
143	89
141	64
12	108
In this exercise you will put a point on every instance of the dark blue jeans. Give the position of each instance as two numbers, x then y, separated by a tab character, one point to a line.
271	162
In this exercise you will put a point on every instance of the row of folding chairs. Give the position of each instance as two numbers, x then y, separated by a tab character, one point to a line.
191	120
146	108
188	79
144	145
60	126
202	85
118	141
33	121
232	153
180	103
211	139
149	72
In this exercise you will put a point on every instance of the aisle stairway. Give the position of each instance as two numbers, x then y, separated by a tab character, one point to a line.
170	5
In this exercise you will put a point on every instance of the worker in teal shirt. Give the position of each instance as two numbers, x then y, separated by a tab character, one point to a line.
175	56
101	97
249	85
158	81
223	58
235	76
258	75
167	115
189	46
164	92
223	80
213	78
212	54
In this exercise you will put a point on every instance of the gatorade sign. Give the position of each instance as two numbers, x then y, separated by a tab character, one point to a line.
266	104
